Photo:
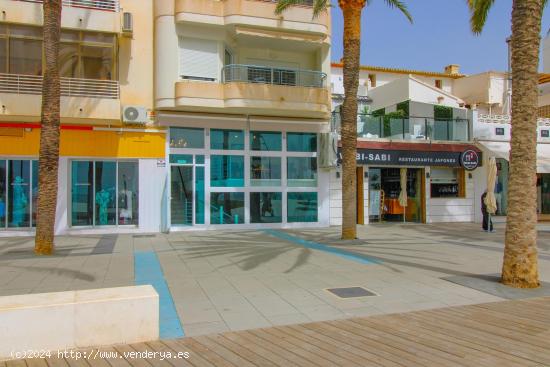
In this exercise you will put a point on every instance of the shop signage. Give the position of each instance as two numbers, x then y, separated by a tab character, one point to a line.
415	158
469	159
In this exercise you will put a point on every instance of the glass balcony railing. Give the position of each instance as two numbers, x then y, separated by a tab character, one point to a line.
277	76
107	5
409	128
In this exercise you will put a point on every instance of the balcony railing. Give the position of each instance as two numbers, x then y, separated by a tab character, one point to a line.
410	128
108	5
277	76
70	87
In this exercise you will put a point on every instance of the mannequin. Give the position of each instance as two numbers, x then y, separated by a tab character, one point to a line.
102	199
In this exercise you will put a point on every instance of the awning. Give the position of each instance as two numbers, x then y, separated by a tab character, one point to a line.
502	150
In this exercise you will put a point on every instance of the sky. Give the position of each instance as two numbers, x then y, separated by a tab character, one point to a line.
439	36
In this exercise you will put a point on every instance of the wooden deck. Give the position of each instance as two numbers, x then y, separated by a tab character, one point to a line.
509	333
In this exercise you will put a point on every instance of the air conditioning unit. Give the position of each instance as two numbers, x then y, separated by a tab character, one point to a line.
127	24
135	115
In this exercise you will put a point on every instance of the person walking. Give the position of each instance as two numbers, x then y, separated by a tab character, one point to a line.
487	221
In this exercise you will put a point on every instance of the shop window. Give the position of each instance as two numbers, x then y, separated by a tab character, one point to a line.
186	137
265	171
227	171
34	191
302	207
199	195
447	183
181	158
265	141
302	172
301	142
266	207
227	208
3	208
128	195
226	139
501	187
19	199
104	193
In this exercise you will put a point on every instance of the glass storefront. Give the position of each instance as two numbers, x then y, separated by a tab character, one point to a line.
236	176
18	193
501	186
104	193
543	193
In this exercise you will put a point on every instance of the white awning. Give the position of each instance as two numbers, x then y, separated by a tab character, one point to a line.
502	150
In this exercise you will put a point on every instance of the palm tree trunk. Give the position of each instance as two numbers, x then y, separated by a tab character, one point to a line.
49	134
520	268
352	36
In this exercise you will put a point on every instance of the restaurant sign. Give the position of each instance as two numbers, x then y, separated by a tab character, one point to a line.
414	158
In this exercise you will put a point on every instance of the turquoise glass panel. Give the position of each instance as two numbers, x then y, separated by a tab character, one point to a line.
82	192
226	139
19	199
266	207
199	195
266	141
302	171
186	137
105	193
227	171
199	159
34	193
302	207
181	158
265	171
227	208
301	142
3	173
181	195
128	194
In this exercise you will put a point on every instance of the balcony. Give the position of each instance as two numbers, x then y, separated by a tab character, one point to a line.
265	75
253	13
419	129
82	100
258	90
107	5
87	15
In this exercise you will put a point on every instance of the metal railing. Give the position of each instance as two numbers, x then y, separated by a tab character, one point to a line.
108	5
277	76
70	87
410	128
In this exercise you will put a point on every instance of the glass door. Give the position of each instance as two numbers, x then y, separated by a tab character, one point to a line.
181	203
376	195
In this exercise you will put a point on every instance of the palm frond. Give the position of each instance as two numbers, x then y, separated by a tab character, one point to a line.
318	6
283	5
400	6
479	9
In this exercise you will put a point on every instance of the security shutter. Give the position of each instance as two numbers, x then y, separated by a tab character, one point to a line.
199	59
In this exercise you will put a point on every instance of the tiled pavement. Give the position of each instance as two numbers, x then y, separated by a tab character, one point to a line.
234	280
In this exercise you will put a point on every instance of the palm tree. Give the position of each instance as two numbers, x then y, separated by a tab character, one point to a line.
49	134
520	268
351	10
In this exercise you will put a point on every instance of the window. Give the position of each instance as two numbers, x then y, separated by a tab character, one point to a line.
3	176
302	207
266	207
97	62
372	80
104	193
439	83
227	171
301	142
181	158
226	139
18	193
227	58
199	59
265	171
302	171
186	137
447	183
265	141
226	207
3	55
25	56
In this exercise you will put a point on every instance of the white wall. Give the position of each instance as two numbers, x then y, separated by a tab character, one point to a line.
452	209
335	196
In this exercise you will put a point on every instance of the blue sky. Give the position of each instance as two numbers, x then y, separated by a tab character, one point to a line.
439	36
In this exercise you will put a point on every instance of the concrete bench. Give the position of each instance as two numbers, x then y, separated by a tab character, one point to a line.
77	319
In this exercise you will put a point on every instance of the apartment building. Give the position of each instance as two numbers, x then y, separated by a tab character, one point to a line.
243	94
410	124
110	146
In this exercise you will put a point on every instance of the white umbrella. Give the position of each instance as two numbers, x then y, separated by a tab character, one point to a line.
403	194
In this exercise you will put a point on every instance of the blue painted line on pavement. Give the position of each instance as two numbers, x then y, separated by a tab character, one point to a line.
348	255
147	270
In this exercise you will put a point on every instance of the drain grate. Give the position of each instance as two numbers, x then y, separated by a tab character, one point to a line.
144	235
351	292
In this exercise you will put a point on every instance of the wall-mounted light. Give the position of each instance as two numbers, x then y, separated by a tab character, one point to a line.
337	174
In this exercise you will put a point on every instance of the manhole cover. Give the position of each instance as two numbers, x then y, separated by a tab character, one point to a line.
143	235
351	292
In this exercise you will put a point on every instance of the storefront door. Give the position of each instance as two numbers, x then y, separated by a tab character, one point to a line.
181	203
544	196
